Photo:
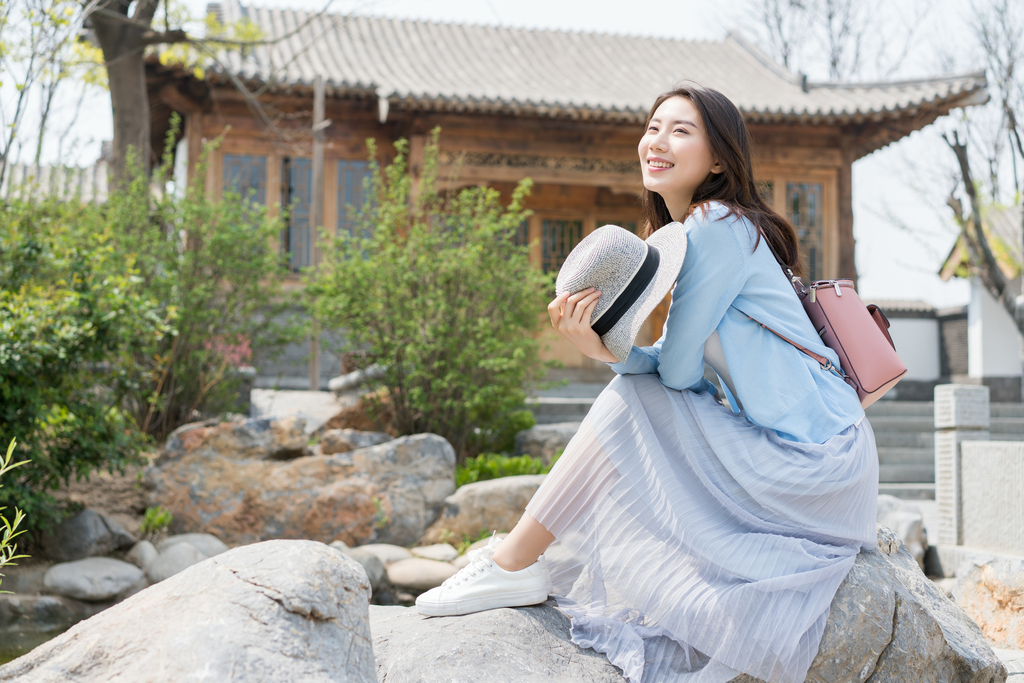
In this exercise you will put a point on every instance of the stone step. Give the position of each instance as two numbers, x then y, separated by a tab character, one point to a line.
905	440
902	423
890	408
1007	409
551	409
907	474
905	456
908	491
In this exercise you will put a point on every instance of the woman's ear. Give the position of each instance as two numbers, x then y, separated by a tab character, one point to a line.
717	168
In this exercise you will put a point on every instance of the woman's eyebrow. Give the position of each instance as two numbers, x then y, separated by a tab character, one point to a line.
677	121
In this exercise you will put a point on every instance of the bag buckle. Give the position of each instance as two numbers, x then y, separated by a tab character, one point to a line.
838	372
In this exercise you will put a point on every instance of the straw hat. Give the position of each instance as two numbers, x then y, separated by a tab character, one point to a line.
632	275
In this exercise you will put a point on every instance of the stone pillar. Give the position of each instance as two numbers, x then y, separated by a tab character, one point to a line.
961	414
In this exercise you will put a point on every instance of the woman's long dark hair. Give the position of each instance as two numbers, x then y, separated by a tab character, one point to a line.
730	143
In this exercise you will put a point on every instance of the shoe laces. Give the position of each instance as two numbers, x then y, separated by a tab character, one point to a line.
479	561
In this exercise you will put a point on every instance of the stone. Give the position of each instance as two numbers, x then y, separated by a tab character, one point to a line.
962	406
524	645
370	563
95	579
442	552
991	591
273	611
25	579
908	523
992	496
544	441
171	561
208	544
141	554
87	534
345	440
388	493
460	561
484	506
418	575
273	438
386	552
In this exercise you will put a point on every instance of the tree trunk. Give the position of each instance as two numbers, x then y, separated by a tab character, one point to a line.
122	40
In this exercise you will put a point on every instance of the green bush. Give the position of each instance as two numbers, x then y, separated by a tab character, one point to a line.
10	529
155	521
433	288
71	308
495	465
215	266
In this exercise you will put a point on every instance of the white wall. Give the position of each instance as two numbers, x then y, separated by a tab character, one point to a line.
992	338
917	343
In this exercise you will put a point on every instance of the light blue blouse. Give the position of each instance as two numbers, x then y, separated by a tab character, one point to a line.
724	280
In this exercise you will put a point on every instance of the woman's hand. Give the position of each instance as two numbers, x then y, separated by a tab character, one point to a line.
570	315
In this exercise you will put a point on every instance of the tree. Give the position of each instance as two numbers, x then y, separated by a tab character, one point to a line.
998	29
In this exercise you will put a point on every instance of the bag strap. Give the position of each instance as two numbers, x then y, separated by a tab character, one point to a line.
801	291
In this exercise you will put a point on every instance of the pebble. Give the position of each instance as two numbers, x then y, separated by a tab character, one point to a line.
418	574
141	554
94	579
386	552
442	552
173	559
208	544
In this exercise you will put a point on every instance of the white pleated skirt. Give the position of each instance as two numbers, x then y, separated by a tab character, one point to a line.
693	545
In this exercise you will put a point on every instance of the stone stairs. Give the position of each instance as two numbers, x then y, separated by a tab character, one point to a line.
904	434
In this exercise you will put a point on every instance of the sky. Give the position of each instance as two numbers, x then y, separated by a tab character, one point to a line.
902	228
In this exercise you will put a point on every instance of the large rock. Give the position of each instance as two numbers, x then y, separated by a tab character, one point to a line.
544	441
345	440
275	611
371	564
87	534
275	438
907	521
95	579
888	624
492	505
389	493
991	591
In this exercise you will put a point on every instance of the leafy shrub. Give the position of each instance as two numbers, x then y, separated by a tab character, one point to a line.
155	520
214	265
10	527
70	308
433	288
495	465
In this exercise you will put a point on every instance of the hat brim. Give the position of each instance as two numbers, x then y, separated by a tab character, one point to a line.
670	241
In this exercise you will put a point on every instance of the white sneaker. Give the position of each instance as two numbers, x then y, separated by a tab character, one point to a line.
482	585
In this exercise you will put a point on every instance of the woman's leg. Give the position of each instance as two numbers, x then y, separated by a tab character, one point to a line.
521	548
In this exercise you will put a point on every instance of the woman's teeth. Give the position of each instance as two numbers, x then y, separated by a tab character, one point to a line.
659	164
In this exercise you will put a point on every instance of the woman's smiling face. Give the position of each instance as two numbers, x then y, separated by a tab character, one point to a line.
674	153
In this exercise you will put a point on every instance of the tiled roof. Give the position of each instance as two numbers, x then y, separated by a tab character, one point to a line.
457	67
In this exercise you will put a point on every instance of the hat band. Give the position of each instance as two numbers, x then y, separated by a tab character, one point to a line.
628	297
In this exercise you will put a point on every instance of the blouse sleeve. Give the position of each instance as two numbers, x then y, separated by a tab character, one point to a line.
712	276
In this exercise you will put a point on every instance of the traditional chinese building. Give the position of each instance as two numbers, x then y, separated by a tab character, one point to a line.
563	108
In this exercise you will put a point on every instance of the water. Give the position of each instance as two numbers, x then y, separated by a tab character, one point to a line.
14	645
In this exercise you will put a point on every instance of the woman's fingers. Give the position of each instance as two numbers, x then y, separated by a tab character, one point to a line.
555	308
585	307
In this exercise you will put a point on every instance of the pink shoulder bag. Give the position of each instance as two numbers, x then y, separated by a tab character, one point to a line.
858	334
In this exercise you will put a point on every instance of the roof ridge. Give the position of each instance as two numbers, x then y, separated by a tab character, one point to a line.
762	57
845	85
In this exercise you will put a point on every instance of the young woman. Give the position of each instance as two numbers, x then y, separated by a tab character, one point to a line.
697	541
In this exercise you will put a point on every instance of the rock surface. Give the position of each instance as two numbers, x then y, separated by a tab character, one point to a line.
95	579
389	493
544	441
345	440
174	559
991	591
276	438
208	544
87	534
370	563
888	624
33	614
493	505
274	611
418	575
525	645
907	521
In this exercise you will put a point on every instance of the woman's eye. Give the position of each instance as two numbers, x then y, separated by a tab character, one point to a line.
681	130
652	129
